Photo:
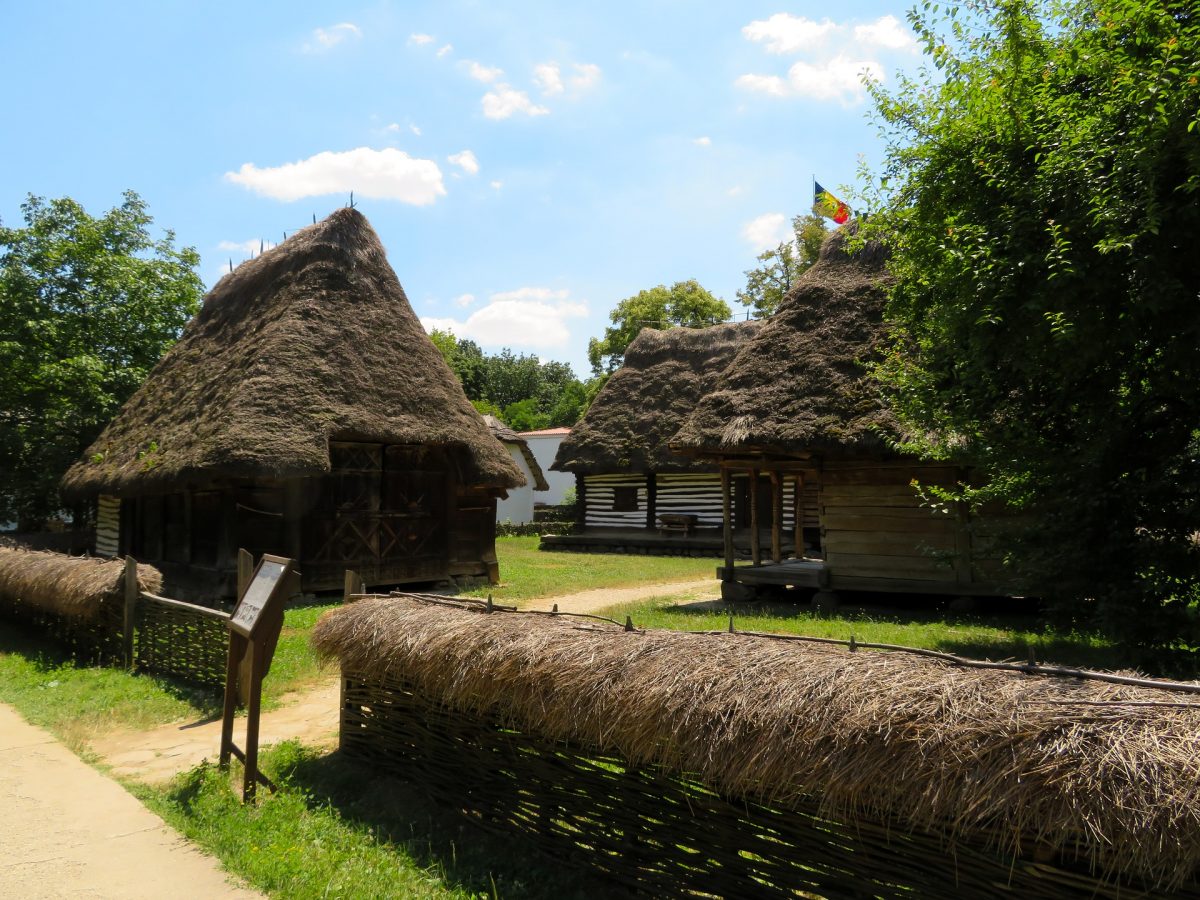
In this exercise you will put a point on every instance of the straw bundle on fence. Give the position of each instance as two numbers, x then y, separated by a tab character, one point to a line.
70	586
1076	772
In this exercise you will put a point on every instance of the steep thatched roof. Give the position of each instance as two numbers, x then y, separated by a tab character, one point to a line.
506	435
311	340
666	373
800	384
72	586
1064	770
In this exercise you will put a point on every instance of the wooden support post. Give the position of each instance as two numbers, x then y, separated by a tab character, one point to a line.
238	647
727	521
580	500
253	702
352	584
651	501
130	619
776	517
245	570
755	548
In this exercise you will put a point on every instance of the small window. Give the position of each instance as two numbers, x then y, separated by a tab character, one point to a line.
625	499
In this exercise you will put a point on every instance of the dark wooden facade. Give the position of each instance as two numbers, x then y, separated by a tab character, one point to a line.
395	514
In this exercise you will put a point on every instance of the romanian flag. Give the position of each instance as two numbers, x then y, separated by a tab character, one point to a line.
829	206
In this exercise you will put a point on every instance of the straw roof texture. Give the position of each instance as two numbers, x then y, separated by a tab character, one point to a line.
1033	766
800	385
313	339
506	435
72	586
665	374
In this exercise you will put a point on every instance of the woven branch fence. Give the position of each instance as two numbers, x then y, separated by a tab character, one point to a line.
626	753
105	611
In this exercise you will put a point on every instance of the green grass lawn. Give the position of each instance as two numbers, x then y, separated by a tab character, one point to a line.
337	829
994	637
527	573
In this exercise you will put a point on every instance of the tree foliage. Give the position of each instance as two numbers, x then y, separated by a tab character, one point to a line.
779	268
1042	212
526	393
87	307
683	303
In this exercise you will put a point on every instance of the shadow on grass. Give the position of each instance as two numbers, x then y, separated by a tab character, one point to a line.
468	856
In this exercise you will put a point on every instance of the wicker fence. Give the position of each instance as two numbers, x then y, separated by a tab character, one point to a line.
129	625
664	833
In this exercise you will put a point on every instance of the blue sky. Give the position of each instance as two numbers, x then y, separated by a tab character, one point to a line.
527	165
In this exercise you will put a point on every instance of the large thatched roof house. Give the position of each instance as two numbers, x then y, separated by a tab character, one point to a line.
626	474
303	412
797	400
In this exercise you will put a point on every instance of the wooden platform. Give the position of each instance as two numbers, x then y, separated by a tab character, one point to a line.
820	574
803	573
700	542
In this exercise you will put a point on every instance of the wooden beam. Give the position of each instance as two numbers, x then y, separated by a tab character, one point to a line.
727	521
776	517
755	548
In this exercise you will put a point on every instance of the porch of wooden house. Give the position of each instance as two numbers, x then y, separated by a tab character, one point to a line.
701	541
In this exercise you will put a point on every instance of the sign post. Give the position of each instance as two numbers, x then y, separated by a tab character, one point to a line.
253	633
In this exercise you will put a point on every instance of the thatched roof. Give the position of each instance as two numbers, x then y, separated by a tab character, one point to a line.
506	435
1079	772
666	373
72	586
800	385
313	339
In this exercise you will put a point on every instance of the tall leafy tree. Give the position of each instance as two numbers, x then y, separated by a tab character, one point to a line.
683	303
1041	206
779	268
87	307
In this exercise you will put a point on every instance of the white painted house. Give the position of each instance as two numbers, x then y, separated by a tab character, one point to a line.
544	445
517	507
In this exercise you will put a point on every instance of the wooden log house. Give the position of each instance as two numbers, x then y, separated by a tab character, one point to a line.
632	489
304	412
796	405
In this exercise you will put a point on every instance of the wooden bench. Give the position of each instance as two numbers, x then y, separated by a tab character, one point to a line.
676	523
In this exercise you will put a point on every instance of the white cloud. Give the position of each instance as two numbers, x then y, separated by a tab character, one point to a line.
763	84
420	39
785	33
327	38
466	161
444	49
497	185
548	77
504	101
587	75
248	247
529	317
486	74
839	78
886	31
464	300
388	174
734	191
704	141
415	130
767	231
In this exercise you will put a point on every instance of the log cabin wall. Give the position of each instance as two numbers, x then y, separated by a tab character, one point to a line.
878	534
616	501
108	526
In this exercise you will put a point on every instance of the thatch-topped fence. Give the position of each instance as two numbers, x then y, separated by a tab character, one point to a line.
109	610
737	765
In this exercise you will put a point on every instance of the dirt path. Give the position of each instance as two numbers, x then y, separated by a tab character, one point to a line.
311	716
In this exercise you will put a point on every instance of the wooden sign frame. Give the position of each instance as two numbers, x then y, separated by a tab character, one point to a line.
254	629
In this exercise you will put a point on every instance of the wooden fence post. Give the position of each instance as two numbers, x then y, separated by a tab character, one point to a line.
131	599
352	584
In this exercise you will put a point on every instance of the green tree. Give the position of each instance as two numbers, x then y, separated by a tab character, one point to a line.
1041	209
683	303
779	268
87	307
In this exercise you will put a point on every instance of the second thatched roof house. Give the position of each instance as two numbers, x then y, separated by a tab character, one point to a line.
628	480
797	401
304	412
